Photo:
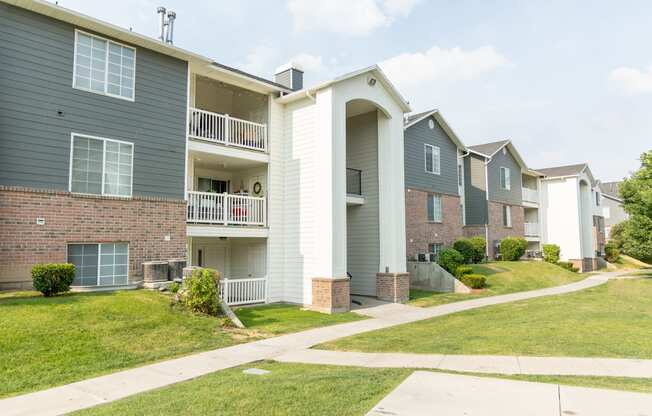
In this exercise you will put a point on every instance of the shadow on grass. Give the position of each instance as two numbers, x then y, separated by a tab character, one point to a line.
37	299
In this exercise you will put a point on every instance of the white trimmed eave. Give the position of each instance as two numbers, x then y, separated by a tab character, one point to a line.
444	125
228	151
207	230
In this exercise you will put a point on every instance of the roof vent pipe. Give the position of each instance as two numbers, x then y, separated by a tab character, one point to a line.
170	35
161	11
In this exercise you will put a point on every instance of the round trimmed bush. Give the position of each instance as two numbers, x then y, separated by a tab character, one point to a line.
568	266
450	259
479	248
463	271
464	246
474	281
512	248
201	292
53	278
551	253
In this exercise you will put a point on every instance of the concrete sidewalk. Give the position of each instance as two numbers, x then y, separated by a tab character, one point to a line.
118	385
426	393
489	364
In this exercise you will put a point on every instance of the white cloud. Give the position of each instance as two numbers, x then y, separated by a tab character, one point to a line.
261	61
348	17
632	80
441	64
308	62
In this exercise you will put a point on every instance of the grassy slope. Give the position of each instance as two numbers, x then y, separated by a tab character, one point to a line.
290	389
612	320
503	277
52	341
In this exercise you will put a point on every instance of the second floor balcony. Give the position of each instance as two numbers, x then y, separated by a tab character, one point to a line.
530	195
227	130
531	229
226	209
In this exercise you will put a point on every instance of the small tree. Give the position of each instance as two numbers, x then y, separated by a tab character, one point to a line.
616	234
53	278
551	253
479	248
611	251
201	292
450	259
512	248
637	238
464	246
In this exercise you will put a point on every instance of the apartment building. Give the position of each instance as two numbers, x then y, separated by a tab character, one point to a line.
612	206
434	184
120	149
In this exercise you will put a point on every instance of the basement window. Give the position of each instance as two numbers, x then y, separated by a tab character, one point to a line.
104	264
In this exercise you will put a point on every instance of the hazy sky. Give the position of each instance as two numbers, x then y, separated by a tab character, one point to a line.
567	81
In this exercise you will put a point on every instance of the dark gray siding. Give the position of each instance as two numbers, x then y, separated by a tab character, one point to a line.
415	175
36	69
475	190
496	193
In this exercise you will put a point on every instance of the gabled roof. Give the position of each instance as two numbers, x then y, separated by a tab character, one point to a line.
375	69
611	189
74	18
568	170
488	150
413	119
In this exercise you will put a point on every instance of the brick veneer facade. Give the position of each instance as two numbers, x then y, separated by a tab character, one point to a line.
144	223
331	295
420	233
495	230
393	287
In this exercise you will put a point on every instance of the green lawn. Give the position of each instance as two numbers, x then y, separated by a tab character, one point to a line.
51	341
300	389
611	320
629	263
503	277
290	389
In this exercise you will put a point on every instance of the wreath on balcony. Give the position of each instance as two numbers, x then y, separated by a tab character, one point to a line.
257	188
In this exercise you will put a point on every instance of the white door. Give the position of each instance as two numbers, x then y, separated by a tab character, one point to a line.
213	257
257	256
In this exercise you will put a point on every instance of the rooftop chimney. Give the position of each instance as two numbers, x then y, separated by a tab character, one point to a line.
166	26
161	11
170	36
289	75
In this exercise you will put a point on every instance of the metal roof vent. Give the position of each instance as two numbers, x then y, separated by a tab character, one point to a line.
166	25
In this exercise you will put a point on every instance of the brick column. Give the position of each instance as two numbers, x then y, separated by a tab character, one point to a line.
331	295
393	287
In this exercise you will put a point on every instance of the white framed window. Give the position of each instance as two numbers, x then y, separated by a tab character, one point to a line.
100	166
103	264
432	159
434	208
435	248
507	216
505	179
104	66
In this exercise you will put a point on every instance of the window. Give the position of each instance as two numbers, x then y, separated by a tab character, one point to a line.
105	264
432	159
104	66
597	199
505	180
507	216
212	185
101	166
434	208
435	248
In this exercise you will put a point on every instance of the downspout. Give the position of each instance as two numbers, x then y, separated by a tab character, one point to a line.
486	184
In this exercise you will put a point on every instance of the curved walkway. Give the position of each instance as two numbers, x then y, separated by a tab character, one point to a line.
99	390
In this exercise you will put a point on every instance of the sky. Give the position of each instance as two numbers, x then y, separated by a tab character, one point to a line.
567	81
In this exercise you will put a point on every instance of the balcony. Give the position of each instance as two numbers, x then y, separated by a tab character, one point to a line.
226	209
532	229
530	195
226	130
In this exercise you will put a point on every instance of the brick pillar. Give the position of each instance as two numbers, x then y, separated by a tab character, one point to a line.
393	287
331	295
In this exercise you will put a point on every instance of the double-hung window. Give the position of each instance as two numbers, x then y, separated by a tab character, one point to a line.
507	216
101	166
432	159
105	264
434	208
505	180
104	66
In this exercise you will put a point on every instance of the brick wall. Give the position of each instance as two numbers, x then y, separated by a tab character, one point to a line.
496	229
331	295
419	232
141	222
393	287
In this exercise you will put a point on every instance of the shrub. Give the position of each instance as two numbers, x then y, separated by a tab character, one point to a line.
512	248
450	259
463	271
201	293
479	248
611	252
616	234
174	287
474	281
465	248
551	253
568	266
53	278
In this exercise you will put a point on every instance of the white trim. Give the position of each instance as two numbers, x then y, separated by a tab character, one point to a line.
435	150
508	178
104	140
106	67
442	123
185	162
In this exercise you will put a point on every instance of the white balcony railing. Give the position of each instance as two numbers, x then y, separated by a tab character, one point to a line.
227	130
226	209
530	195
532	229
243	291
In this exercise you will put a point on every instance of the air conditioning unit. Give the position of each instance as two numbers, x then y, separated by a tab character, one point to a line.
433	257
421	257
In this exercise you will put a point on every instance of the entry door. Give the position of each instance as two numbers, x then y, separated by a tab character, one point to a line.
257	261
213	257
